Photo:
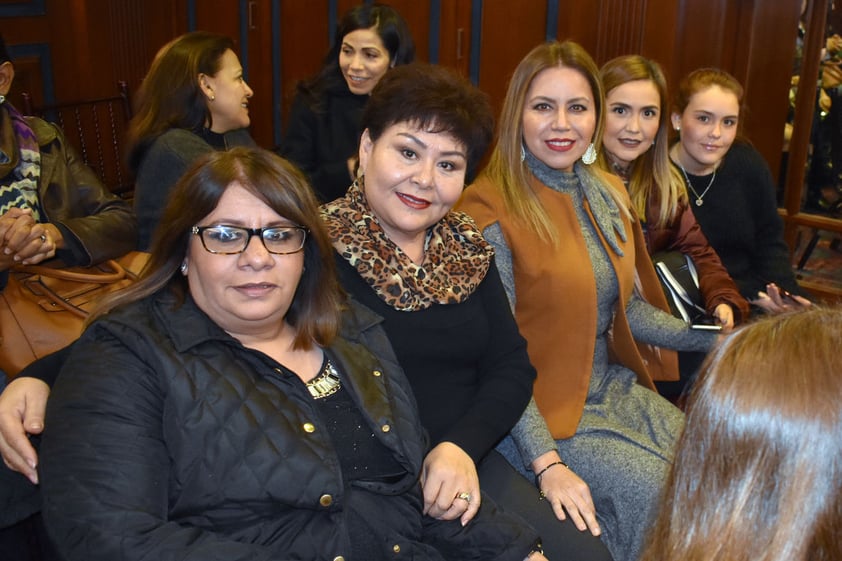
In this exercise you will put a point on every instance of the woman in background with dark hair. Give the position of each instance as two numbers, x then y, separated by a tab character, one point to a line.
193	100
757	472
324	122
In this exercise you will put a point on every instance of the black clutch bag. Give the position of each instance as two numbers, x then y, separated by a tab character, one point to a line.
680	282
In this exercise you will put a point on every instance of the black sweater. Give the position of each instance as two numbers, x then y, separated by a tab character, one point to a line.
740	219
467	363
320	140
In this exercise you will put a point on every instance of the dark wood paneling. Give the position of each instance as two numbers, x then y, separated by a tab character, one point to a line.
507	35
417	16
767	74
455	35
305	39
95	42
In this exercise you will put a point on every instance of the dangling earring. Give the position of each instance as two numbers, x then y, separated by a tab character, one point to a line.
590	155
522	152
2	99
183	268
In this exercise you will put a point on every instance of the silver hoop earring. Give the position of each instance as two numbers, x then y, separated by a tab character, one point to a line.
183	268
522	153
590	155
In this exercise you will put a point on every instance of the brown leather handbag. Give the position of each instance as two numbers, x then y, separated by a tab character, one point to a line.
43	307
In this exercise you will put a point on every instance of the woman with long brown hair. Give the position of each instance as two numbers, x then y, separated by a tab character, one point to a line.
193	100
757	472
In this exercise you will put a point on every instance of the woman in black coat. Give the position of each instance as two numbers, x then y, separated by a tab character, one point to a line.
224	407
324	123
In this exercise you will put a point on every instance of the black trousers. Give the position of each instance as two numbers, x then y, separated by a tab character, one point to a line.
562	541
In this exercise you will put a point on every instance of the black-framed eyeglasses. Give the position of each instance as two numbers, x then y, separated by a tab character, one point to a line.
228	240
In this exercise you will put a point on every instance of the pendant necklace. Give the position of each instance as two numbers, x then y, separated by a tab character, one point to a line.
326	383
699	198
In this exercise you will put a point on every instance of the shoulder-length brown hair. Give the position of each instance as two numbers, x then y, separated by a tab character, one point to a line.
315	309
506	169
169	96
757	474
651	174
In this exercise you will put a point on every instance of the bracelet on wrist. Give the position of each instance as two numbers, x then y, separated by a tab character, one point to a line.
548	466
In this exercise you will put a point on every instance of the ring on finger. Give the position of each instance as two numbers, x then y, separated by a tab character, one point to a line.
464	496
43	238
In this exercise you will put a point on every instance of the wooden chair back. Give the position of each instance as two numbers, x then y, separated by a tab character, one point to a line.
97	129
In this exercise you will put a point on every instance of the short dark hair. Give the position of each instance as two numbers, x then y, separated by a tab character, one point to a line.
315	310
434	98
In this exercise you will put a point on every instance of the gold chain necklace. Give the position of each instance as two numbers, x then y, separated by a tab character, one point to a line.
326	383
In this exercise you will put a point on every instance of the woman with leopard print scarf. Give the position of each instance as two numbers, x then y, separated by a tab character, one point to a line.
427	271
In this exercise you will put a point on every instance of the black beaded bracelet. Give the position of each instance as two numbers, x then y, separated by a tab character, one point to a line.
540	473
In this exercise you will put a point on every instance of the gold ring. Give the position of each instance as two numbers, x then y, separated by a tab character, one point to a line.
464	496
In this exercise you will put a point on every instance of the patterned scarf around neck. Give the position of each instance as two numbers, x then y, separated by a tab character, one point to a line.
20	163
456	259
604	209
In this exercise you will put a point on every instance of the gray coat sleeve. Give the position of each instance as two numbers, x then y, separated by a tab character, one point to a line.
530	434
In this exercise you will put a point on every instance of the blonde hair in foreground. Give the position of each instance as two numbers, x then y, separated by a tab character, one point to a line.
758	470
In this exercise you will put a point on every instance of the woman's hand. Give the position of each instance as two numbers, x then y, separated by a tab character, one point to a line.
776	300
24	241
450	483
566	491
22	406
725	316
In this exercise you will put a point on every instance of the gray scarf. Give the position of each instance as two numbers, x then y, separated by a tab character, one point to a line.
604	208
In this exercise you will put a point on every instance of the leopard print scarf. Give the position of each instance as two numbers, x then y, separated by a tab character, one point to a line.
457	256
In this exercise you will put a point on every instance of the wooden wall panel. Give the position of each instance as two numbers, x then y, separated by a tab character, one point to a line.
769	63
507	35
305	40
455	35
417	16
92	43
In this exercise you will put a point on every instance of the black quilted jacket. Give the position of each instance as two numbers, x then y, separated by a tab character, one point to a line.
170	440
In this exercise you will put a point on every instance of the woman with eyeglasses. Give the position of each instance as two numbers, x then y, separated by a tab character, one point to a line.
233	405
